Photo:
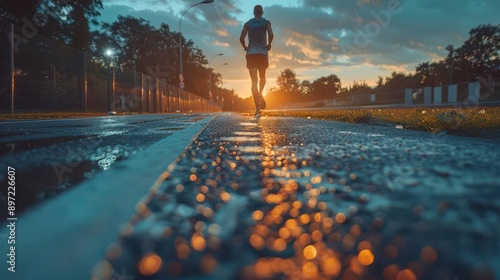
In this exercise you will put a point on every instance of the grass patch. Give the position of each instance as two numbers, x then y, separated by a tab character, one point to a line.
462	121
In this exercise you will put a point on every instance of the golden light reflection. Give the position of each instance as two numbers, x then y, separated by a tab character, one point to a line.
331	267
183	251
310	270
356	266
310	252
284	233
406	274
150	264
428	254
366	257
198	242
257	215
340	218
200	197
279	245
225	196
257	242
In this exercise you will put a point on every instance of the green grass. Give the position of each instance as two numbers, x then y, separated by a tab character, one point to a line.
457	121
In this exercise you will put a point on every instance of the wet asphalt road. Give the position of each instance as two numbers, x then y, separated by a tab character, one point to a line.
51	156
285	198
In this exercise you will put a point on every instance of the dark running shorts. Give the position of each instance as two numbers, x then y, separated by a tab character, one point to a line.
258	61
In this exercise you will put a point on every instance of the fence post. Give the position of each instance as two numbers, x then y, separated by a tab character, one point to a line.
167	90
85	83
452	93
142	93
113	88
12	72
408	96
474	90
438	95
427	95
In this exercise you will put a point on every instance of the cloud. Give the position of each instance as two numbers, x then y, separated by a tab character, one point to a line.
220	44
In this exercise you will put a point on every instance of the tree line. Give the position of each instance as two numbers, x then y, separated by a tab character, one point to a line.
477	58
136	44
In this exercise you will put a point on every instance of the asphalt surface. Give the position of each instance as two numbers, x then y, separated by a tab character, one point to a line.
286	198
51	156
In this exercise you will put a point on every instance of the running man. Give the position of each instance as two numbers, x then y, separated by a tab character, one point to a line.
260	37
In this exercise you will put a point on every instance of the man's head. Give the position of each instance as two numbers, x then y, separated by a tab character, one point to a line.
258	11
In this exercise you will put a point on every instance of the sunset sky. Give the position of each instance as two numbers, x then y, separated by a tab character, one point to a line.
354	39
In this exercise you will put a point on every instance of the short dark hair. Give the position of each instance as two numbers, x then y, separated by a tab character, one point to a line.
258	10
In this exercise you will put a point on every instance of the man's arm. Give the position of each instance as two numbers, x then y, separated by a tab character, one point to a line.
243	35
270	35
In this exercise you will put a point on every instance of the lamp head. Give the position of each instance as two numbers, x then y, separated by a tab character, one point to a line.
109	52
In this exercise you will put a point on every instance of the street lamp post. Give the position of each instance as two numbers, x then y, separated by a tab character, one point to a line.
111	82
181	76
210	74
222	81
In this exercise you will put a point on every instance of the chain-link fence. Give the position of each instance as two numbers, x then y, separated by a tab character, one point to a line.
38	74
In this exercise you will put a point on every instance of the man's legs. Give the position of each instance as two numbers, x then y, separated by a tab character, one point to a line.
262	84
262	79
255	91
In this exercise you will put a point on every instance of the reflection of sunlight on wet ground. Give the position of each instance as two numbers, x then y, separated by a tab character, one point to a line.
295	228
302	237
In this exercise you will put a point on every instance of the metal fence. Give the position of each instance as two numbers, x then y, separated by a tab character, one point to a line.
41	75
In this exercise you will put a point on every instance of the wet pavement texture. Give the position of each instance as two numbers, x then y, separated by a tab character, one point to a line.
285	198
51	156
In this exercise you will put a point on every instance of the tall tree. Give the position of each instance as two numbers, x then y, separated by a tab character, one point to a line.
288	84
480	53
305	89
326	87
68	22
15	10
80	15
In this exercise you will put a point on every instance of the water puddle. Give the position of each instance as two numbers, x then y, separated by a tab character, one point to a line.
6	134
251	149
247	133
171	128
241	139
148	121
194	120
69	126
248	124
19	146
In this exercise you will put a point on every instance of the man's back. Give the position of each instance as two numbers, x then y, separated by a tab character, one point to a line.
257	39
